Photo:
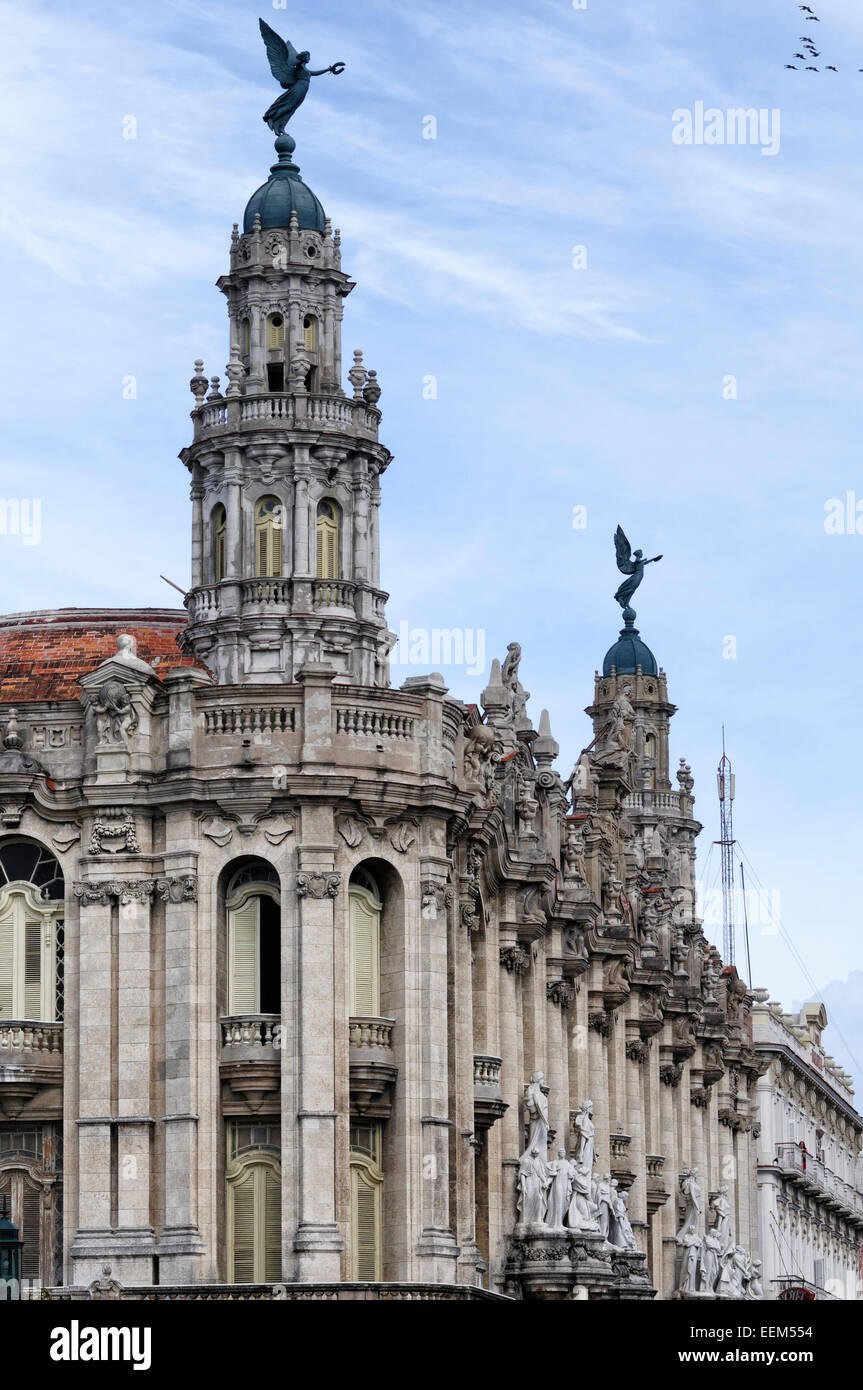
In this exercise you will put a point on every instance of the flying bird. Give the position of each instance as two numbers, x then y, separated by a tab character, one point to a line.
812	19
802	56
807	8
793	66
811	69
830	68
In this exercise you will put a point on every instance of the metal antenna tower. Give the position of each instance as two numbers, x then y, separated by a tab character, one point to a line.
725	785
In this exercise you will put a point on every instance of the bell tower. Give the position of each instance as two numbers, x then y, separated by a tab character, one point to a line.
285	464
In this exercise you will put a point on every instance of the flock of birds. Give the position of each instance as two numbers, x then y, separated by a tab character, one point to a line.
809	46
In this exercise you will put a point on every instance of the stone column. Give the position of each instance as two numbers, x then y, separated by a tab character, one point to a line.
436	1249
95	1107
461	1055
514	961
180	1244
197	495
318	1240
302	557
362	492
134	1055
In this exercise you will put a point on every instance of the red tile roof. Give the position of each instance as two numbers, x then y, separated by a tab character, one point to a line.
43	655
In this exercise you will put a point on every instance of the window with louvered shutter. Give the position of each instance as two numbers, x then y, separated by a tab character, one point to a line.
244	958
365	1225
365	920
243	1233
268	537
219	526
30	1231
32	970
272	1226
327	533
7	962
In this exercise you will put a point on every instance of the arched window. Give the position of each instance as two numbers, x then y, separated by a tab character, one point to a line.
269	525
245	338
310	333
254	940
219	531
275	332
327	529
365	905
367	1182
254	1202
31	933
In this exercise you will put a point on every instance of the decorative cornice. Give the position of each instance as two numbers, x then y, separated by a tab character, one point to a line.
135	890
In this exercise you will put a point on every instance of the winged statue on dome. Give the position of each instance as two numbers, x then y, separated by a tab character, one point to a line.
631	564
290	69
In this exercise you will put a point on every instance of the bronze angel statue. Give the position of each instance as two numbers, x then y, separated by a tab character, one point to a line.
289	68
631	564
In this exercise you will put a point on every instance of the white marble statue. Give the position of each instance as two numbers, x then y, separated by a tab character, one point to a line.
721	1207
603	1198
711	1255
623	1236
585	1142
559	1191
582	1212
536	1105
694	1199
533	1183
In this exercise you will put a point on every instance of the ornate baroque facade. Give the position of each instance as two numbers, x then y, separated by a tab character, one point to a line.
280	945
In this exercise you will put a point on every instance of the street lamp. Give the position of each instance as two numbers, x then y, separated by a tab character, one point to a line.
10	1254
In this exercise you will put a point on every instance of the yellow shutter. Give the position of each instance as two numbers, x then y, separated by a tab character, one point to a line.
365	953
327	548
272	1226
243	1233
7	962
32	970
365	1226
244	966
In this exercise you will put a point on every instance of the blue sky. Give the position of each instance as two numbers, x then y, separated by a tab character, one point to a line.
557	387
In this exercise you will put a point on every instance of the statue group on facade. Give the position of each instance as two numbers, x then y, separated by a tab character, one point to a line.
712	1265
564	1194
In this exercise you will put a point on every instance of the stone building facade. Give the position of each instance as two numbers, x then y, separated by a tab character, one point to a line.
281	947
810	1170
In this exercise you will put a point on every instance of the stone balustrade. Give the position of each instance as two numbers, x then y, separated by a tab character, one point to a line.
25	1036
370	1032
373	1071
249	1031
488	1102
281	410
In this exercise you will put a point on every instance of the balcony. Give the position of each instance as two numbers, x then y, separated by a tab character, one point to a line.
372	1065
250	1063
488	1102
31	1060
279	410
657	1194
273	596
810	1173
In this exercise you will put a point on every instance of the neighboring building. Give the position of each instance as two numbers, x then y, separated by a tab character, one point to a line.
810	1171
281	945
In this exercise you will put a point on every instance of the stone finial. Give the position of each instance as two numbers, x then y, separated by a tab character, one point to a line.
215	394
235	371
198	384
372	390
545	746
256	224
357	375
293	224
12	738
235	236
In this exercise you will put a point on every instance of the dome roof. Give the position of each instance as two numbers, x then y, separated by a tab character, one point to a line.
44	654
628	653
284	193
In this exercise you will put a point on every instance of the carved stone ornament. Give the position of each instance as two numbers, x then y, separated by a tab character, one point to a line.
560	992
113	832
436	897
217	829
314	883
65	836
515	959
181	889
116	719
403	836
351	830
